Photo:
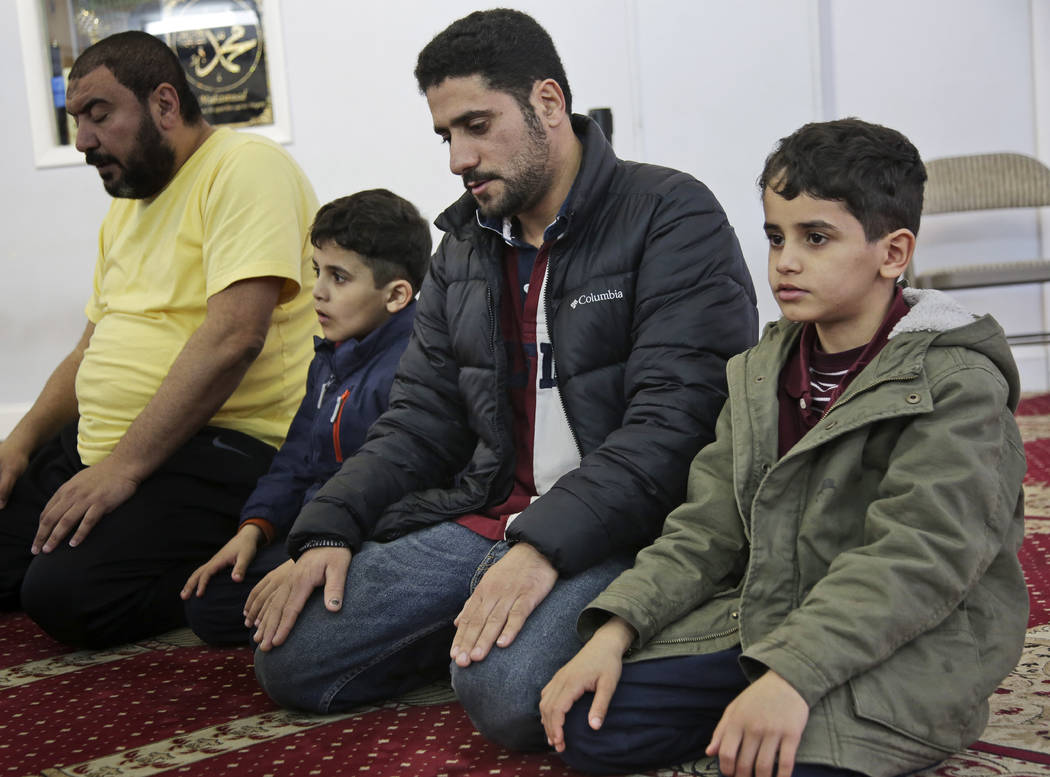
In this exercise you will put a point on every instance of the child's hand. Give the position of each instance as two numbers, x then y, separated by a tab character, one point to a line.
238	553
764	723
595	668
275	603
262	592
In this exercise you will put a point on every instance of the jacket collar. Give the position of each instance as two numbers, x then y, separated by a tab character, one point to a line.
931	311
350	354
934	320
797	381
597	167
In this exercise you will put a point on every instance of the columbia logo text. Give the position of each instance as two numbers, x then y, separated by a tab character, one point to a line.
602	296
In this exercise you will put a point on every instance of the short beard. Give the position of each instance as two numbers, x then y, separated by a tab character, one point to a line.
530	178
149	168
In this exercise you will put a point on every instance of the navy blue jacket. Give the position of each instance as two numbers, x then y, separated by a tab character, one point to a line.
642	375
347	388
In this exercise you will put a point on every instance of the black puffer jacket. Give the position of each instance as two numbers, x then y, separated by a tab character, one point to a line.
642	375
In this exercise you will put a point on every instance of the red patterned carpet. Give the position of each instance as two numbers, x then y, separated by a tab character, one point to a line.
171	707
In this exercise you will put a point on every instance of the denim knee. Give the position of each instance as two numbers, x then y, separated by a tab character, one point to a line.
285	675
503	707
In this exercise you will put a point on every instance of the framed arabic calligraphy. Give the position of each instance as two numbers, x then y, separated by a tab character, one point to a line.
230	50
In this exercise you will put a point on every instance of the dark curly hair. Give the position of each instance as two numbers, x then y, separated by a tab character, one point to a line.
873	170
387	231
507	48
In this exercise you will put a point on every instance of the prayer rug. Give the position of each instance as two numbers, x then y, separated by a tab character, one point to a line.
172	707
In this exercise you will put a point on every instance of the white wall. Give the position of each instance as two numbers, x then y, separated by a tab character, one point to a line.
703	85
957	77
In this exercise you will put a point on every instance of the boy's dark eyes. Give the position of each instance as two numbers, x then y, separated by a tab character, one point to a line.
317	271
813	238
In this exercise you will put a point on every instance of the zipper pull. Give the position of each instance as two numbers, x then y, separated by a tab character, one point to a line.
324	388
338	405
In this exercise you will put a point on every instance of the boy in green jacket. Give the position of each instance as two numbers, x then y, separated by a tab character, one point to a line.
840	592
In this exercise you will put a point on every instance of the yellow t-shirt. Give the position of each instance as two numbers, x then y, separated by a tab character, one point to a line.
238	208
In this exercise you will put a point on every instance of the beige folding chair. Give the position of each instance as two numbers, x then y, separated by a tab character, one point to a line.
985	182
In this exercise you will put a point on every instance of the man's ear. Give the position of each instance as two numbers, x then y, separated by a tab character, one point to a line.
398	295
549	101
899	248
164	102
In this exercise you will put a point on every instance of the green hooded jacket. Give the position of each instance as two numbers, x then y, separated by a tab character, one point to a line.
874	567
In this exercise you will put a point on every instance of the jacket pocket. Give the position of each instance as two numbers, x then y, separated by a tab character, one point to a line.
932	689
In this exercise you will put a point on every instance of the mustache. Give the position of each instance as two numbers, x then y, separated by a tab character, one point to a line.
95	159
473	176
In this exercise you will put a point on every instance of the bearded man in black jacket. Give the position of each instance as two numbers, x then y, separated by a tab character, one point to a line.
567	362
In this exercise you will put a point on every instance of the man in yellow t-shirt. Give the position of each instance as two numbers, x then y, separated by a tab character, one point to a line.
131	467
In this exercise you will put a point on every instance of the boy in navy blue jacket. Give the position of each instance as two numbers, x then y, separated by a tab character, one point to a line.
372	251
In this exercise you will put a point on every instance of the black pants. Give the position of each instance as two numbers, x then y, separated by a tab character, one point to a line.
663	711
122	582
217	617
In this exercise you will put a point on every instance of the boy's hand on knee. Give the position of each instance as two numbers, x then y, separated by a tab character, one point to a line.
762	725
596	668
260	594
238	552
507	594
316	567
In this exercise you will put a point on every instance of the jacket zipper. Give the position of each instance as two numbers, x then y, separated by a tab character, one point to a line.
704	638
554	351
501	384
685	640
336	421
324	388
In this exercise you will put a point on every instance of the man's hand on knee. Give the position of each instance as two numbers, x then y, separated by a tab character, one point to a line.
507	594
284	602
81	502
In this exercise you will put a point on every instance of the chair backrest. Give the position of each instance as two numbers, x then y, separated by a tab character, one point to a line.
985	181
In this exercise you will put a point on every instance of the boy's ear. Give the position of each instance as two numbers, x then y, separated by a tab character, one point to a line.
398	295
900	247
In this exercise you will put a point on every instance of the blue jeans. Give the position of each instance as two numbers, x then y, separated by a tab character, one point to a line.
394	631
